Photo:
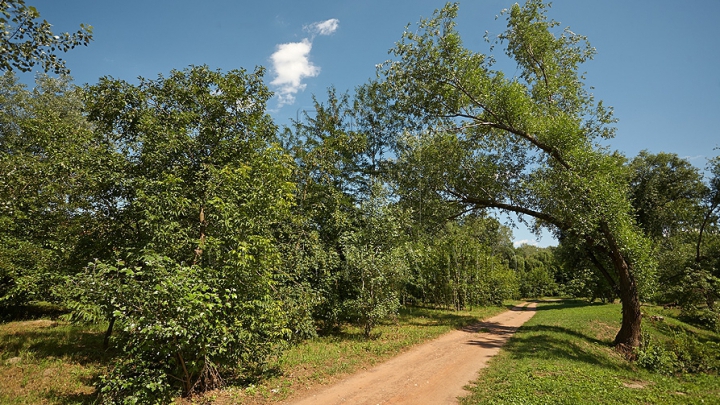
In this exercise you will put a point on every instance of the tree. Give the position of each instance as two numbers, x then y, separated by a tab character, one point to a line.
711	202
49	163
675	208
340	147
374	261
536	268
25	42
204	189
326	207
525	144
463	264
667	193
709	264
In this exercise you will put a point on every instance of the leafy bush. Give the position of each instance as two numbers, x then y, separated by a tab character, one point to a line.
683	353
694	356
654	357
704	318
185	329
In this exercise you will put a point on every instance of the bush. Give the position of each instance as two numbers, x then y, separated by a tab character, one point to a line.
653	356
683	353
694	356
703	318
186	328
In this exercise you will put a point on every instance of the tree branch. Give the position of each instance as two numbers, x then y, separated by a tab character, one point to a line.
487	203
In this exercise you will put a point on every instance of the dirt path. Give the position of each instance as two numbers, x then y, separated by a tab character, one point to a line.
432	373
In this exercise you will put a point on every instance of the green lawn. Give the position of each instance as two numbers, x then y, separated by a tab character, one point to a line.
563	356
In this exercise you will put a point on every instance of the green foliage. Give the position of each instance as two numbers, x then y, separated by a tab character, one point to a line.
655	357
666	192
46	172
702	317
536	269
681	353
462	266
25	42
675	207
187	324
326	176
375	262
203	192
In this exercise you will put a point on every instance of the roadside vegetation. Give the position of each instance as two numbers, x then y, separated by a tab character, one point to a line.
564	355
44	361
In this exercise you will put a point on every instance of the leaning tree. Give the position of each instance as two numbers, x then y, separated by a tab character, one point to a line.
526	144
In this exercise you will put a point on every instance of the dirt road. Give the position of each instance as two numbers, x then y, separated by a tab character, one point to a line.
432	373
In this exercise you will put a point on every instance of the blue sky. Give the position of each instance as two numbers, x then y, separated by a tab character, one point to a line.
658	62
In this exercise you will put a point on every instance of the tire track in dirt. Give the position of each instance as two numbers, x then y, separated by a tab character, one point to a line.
429	374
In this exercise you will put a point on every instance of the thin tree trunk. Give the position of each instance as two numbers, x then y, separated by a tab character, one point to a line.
108	332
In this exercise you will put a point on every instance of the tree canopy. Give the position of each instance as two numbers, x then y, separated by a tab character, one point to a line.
525	144
26	42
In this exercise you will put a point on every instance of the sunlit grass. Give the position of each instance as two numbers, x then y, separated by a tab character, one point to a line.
327	359
563	355
49	362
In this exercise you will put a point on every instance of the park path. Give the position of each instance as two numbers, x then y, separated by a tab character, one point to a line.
432	373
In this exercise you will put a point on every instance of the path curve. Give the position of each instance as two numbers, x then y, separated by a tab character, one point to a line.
432	373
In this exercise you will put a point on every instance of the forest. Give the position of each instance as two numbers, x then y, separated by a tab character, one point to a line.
205	239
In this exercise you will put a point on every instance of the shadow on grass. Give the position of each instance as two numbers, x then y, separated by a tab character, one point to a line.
551	345
27	312
72	343
560	343
73	399
38	341
560	304
545	329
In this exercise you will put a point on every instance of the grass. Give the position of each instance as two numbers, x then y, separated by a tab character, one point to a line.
563	356
49	362
327	359
44	361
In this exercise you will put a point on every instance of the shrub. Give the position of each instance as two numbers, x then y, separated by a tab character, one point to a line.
683	353
186	328
704	318
654	357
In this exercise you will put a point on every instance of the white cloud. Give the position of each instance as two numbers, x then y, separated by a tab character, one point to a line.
525	242
691	158
326	27
291	64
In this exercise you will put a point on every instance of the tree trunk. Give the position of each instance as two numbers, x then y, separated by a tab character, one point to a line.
630	331
108	332
629	334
